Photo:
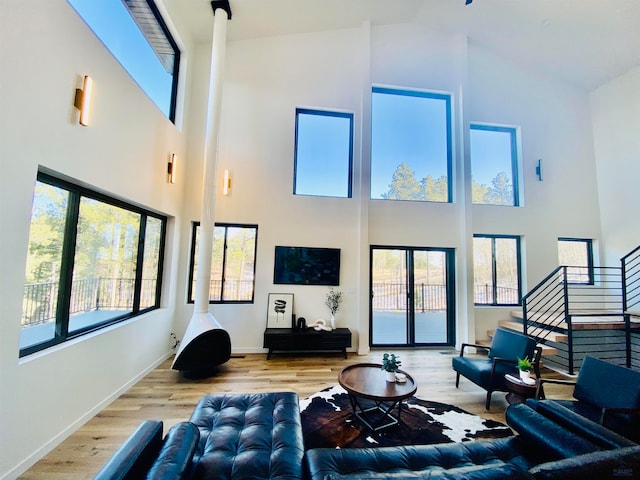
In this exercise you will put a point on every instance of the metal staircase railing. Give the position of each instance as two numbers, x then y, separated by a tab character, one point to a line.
630	265
558	301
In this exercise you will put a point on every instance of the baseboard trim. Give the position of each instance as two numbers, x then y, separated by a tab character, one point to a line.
32	459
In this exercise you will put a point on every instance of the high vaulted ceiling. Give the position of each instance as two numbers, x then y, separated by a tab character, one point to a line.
584	42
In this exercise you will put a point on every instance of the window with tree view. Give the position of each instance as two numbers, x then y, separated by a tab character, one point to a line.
577	255
233	263
410	145
496	270
92	261
494	165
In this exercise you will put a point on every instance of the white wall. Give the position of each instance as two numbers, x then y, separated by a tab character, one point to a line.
124	152
45	50
615	109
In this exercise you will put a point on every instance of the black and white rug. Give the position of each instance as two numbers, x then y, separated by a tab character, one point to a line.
328	421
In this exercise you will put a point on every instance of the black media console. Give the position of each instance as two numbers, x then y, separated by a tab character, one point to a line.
308	339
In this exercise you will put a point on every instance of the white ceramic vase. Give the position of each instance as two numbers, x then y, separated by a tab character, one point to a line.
391	376
332	322
525	376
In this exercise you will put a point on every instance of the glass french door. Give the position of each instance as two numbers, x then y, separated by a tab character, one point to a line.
412	296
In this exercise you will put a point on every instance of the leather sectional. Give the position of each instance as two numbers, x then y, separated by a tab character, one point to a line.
260	437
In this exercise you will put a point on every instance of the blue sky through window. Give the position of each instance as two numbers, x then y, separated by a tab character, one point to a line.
408	127
323	153
113	25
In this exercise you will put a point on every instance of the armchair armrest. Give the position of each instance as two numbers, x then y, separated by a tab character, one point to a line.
628	411
473	345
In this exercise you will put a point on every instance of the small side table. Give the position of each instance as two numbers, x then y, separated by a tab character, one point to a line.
518	390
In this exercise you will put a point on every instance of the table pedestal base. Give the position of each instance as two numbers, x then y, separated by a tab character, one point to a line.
377	417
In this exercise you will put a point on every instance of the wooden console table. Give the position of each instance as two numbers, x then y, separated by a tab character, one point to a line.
289	339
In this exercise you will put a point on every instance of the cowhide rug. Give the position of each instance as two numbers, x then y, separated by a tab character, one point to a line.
328	421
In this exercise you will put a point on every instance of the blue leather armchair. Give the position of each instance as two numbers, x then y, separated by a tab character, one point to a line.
502	358
604	392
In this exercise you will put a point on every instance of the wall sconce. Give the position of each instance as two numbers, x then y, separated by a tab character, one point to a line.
226	185
171	168
82	100
539	170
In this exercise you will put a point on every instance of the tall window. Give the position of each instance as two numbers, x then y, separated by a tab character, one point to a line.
323	154
496	265
577	255
137	36
410	145
494	165
93	261
233	263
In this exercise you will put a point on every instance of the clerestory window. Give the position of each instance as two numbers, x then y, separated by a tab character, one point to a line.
137	36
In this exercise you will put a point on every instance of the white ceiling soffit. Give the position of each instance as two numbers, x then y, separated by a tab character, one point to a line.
584	42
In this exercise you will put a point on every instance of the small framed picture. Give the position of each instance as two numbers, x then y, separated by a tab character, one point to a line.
280	310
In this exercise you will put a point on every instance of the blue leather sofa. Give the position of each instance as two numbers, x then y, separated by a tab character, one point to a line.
239	437
543	449
605	393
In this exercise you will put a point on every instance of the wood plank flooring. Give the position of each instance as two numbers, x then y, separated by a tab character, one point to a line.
164	394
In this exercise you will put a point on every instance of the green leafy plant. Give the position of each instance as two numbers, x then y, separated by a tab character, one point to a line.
390	363
333	300
524	364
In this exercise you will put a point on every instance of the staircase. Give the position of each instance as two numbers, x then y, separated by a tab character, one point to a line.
598	316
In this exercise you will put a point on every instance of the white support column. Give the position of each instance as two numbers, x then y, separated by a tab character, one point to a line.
202	320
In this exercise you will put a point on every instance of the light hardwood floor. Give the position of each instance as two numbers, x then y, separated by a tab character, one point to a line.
164	394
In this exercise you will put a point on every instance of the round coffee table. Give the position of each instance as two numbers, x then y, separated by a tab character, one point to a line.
372	398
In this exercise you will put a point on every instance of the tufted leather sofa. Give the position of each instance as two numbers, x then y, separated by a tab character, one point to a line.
543	449
228	437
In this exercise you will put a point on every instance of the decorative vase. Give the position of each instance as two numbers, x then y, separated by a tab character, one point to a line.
524	375
391	376
332	322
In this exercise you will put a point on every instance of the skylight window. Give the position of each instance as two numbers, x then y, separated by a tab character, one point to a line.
137	36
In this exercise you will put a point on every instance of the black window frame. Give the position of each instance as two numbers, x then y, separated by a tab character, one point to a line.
324	113
494	282
192	258
149	20
590	265
447	98
513	132
76	193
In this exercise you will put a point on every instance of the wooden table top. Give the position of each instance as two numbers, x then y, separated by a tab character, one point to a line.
367	380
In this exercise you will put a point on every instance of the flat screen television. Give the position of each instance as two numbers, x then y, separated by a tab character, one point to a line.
306	266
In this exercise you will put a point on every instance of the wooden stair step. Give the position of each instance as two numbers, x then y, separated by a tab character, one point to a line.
546	349
536	331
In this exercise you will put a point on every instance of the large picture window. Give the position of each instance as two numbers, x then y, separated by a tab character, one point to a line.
323	154
137	36
496	270
93	261
233	263
494	165
410	145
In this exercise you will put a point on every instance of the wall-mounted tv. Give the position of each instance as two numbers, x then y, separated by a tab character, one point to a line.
306	266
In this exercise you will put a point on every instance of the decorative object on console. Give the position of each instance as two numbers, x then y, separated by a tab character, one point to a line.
279	310
391	364
333	301
320	324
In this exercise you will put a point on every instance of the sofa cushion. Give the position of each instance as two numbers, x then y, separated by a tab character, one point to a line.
174	460
417	461
544	437
588	429
255	436
136	455
618	463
